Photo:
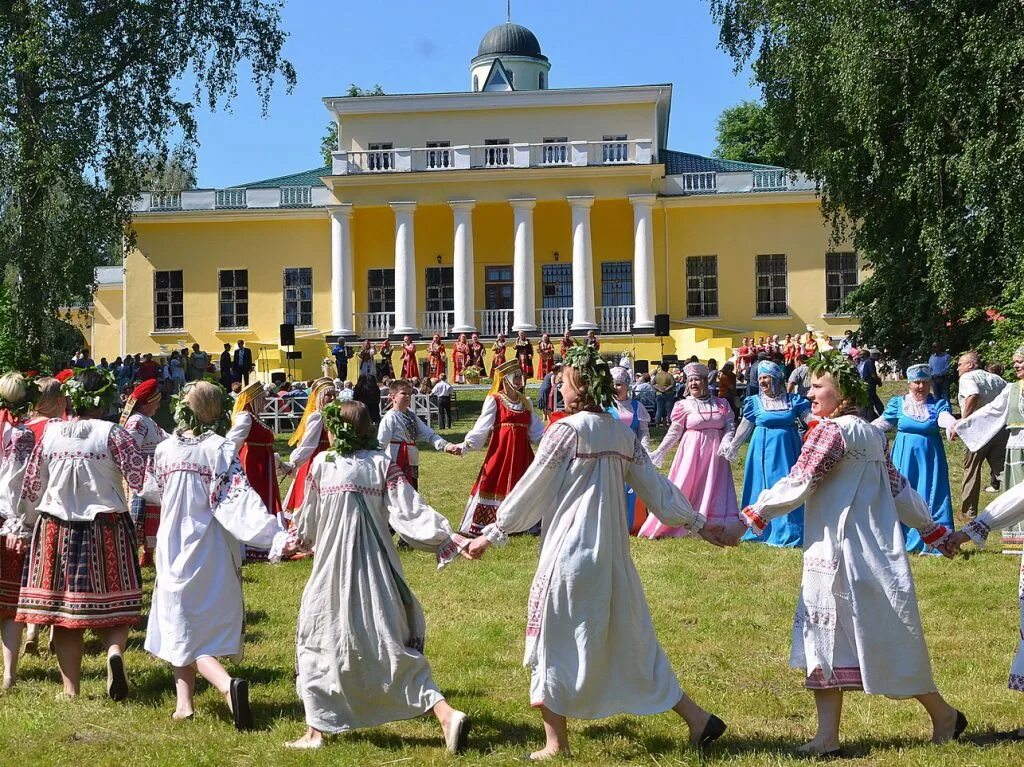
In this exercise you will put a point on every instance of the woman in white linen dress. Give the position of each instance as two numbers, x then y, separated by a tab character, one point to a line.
857	624
207	509
360	637
586	602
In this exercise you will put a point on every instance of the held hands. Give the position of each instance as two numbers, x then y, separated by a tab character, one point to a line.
452	449
951	431
476	548
951	546
718	534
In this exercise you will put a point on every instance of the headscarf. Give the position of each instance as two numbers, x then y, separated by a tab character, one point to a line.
696	370
769	368
251	398
503	371
921	372
620	376
145	392
314	404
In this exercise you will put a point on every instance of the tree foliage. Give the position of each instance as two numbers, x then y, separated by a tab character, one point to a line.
173	173
88	92
909	116
329	142
745	133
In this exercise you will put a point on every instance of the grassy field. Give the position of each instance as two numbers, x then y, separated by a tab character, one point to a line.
723	616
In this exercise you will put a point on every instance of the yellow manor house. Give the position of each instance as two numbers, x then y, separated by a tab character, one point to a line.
511	206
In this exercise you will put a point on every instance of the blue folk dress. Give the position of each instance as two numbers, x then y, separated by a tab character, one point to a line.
632	523
774	448
919	455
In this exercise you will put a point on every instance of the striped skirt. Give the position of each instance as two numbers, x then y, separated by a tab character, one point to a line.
11	563
82	575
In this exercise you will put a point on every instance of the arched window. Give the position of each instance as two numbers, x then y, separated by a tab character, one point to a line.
476	83
541	81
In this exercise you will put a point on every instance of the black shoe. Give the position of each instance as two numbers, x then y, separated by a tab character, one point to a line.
713	730
961	725
117	681
240	710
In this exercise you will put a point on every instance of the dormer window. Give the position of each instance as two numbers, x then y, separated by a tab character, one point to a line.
541	81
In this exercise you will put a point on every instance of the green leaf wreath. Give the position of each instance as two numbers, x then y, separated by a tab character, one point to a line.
594	371
22	408
187	420
346	439
100	399
843	372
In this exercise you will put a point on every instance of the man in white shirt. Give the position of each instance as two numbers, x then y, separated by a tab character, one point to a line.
800	378
939	363
977	388
442	392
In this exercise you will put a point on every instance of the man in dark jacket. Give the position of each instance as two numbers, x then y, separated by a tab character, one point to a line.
242	363
225	367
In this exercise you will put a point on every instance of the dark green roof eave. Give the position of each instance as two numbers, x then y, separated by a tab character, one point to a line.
303	178
677	163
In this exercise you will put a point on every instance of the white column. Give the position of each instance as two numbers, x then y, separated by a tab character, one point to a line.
341	270
643	259
582	265
465	309
405	270
524	302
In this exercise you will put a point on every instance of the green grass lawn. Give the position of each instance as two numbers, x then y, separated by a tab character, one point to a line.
723	616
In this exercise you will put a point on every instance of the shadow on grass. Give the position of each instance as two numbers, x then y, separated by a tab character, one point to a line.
489	733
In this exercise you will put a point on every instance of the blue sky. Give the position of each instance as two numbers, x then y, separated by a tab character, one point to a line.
413	47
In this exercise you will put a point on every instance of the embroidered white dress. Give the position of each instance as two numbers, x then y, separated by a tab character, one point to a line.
359	643
590	641
1004	512
207	509
857	623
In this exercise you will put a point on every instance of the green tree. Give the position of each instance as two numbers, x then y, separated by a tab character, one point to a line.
88	91
173	173
329	142
745	133
908	116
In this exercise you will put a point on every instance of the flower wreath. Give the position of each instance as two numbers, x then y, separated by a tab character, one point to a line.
839	366
80	399
187	420
22	408
594	371
346	439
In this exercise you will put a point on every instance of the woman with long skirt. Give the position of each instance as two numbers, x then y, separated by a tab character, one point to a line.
460	359
16	443
83	570
137	419
586	603
207	509
498	350
633	414
769	420
700	424
857	625
361	631
917	451
410	367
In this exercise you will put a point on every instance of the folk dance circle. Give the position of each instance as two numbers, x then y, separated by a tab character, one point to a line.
78	494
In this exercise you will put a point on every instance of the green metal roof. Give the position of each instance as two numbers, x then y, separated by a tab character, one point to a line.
305	178
685	162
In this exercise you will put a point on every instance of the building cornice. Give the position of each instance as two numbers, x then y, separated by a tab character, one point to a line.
243	214
486	175
490	100
739	198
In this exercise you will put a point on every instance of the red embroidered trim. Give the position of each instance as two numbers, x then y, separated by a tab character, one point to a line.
350	487
754	519
821	452
934	534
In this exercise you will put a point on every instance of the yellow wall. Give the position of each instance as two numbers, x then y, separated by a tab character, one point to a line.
519	125
735	228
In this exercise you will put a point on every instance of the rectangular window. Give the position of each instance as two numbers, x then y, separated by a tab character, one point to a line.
556	286
234	298
381	295
617	283
168	301
841	277
440	289
498	287
770	285
702	286
298	297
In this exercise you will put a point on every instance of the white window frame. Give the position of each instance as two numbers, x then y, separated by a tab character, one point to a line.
235	300
297	299
775	299
845	289
702	289
168	300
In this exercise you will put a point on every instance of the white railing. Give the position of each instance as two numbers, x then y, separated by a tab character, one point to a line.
375	161
294	196
283	410
495	321
434	158
165	201
554	321
496	156
699	182
230	198
374	324
551	153
610	152
616	319
770	180
437	322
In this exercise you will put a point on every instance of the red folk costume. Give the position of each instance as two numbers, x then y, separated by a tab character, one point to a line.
438	359
147	435
460	360
510	426
524	354
310	439
476	355
498	359
255	445
410	368
546	351
565	345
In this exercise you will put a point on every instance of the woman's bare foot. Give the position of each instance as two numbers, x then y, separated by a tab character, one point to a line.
182	714
548	752
819	747
8	682
948	727
312	739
